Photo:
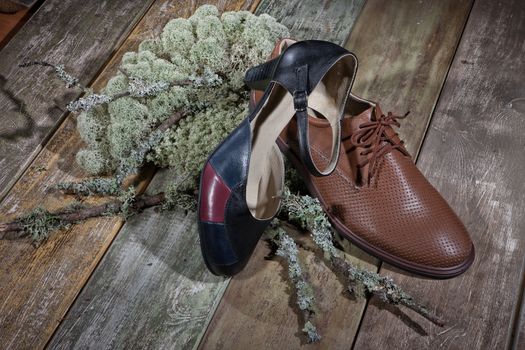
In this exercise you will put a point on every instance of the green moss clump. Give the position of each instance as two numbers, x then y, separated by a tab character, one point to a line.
186	147
210	50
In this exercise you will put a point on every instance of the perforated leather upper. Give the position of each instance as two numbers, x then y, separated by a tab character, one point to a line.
399	213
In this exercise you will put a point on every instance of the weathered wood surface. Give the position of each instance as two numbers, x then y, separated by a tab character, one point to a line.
152	289
313	19
473	153
38	286
257	302
518	335
9	23
80	35
404	50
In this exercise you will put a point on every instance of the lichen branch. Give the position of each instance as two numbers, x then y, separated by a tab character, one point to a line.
383	287
70	80
136	88
40	222
308	214
287	248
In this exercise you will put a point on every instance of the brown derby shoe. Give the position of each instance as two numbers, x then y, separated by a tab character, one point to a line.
377	197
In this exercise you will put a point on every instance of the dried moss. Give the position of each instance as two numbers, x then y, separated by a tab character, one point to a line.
210	50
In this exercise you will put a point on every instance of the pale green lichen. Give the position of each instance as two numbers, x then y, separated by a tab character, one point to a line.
180	195
60	72
112	186
311	332
127	198
39	223
209	50
96	186
95	161
195	137
307	212
287	248
88	102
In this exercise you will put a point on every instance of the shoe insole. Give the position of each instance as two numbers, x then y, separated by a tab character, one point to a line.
266	170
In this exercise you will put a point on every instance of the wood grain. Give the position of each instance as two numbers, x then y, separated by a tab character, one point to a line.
473	154
150	291
517	340
311	19
80	35
39	285
258	302
405	49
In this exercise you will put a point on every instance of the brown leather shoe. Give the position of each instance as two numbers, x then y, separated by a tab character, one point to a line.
376	197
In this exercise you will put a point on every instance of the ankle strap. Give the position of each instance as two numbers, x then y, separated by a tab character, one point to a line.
300	101
299	69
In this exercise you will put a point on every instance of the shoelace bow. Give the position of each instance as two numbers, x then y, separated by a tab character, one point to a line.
372	137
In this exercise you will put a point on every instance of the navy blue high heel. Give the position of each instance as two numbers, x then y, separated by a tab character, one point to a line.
243	179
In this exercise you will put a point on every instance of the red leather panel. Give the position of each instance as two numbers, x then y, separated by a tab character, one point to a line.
214	195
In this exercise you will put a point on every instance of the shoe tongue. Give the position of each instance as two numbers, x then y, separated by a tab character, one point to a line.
351	124
376	112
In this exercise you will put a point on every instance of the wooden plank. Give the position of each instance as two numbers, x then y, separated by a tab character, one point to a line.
473	154
165	293
257	302
518	335
82	36
151	290
9	22
39	285
405	49
311	19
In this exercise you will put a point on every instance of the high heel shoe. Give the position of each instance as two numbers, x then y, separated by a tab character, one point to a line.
242	180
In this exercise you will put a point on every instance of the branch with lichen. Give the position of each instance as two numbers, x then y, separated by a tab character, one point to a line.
112	186
39	223
287	248
308	214
60	72
136	88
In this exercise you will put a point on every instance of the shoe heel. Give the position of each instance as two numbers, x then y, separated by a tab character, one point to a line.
258	77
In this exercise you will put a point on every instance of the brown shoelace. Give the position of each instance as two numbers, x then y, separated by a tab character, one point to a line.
372	137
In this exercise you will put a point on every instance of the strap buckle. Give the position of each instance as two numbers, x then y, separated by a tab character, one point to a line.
300	100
